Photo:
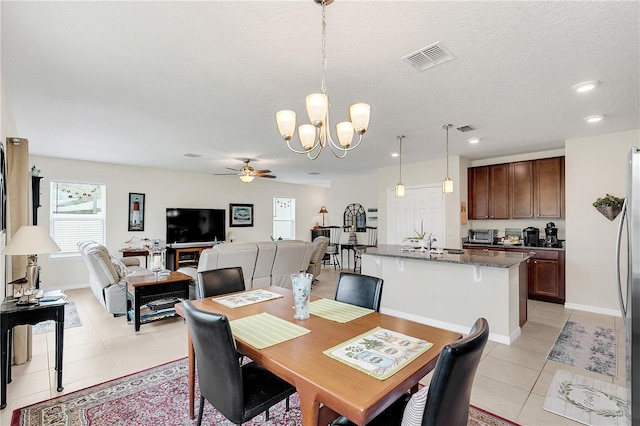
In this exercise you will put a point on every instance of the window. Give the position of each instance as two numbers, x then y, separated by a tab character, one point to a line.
77	214
284	218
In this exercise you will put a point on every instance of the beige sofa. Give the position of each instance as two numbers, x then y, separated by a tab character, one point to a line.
263	263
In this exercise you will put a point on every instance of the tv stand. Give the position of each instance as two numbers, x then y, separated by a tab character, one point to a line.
182	255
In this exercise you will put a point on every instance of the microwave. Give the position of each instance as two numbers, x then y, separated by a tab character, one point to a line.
486	236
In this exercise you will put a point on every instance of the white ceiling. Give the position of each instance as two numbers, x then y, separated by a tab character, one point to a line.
142	83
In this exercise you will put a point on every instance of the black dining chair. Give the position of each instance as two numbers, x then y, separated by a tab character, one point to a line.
215	282
238	392
360	290
448	395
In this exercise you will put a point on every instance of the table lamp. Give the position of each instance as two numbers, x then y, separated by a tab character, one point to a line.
323	210
30	241
231	236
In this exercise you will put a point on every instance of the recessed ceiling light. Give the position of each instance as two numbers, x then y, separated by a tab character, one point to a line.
473	140
394	154
586	86
593	118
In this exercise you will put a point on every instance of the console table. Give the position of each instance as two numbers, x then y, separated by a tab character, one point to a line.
12	315
135	253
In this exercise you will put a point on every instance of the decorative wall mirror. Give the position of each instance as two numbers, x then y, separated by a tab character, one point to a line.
355	218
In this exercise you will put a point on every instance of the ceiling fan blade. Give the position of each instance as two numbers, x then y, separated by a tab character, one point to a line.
263	171
235	170
225	174
267	176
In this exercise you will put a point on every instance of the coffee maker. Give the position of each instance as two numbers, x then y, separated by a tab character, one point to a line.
531	236
551	235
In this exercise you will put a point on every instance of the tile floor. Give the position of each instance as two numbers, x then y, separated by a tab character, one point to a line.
511	381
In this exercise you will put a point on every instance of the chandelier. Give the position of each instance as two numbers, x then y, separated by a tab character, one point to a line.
313	137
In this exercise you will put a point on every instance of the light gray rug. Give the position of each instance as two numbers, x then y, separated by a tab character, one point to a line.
71	319
588	347
588	401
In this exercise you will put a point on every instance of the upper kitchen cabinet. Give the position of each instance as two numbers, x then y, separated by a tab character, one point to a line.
520	190
489	192
549	174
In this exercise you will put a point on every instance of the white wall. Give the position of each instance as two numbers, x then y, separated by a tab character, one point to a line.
166	188
354	189
594	166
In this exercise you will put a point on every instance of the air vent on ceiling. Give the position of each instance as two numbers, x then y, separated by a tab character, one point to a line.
191	155
465	128
429	56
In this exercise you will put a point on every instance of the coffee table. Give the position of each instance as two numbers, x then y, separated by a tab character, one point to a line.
142	289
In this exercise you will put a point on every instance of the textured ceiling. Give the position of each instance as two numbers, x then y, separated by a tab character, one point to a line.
143	83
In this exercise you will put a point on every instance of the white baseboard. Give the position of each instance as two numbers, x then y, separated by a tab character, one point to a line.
593	309
500	338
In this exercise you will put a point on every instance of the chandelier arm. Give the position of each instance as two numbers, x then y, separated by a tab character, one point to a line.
300	152
313	157
345	150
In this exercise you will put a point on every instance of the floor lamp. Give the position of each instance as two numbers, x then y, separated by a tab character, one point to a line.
30	241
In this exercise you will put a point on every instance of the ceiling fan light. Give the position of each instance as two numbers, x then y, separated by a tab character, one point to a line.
246	178
307	135
286	120
345	133
360	114
317	105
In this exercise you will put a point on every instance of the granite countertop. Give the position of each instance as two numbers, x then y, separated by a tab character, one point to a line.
495	259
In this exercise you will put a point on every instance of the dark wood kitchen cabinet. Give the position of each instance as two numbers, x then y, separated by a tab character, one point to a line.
519	190
522	190
549	187
546	276
489	192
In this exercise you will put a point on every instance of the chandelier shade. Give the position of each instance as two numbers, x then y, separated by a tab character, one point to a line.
315	136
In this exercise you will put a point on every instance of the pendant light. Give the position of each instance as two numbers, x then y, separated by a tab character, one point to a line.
400	186
447	183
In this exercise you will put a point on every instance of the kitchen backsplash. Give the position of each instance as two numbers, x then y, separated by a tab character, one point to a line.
501	225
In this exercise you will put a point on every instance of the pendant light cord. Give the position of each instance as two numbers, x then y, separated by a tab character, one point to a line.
324	49
400	177
446	127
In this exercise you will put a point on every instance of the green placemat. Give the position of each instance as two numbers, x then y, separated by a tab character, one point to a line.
379	352
337	311
264	330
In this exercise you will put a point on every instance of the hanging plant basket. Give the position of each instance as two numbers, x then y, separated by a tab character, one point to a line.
610	212
609	206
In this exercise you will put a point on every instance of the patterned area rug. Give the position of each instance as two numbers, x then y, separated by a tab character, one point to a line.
71	319
587	400
587	347
159	396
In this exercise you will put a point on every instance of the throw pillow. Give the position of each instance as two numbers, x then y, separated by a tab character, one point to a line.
415	408
120	267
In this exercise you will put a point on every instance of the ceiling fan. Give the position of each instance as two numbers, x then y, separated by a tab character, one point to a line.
248	173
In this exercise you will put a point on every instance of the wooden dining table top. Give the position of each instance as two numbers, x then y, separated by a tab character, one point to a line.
320	378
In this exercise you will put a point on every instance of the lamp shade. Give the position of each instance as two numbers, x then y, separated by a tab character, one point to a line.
286	120
231	236
399	190
246	178
31	240
447	186
323	209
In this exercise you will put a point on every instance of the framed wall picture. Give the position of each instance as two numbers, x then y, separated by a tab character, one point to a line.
136	211
240	215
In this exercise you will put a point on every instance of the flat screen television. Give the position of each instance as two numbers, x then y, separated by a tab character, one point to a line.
195	225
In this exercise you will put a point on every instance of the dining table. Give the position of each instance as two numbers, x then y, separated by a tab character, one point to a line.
326	386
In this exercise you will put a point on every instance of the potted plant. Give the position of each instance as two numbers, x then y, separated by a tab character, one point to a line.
609	206
419	236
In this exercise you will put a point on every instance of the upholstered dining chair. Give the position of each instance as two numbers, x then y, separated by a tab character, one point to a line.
215	282
239	392
360	290
445	402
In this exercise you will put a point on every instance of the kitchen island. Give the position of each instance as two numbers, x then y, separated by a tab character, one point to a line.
452	288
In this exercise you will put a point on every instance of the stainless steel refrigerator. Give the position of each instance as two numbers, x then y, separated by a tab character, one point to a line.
630	305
